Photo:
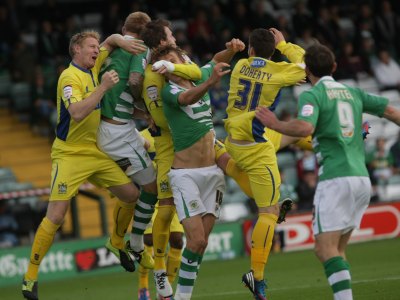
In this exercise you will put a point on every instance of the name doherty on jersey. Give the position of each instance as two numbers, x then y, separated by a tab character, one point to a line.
253	73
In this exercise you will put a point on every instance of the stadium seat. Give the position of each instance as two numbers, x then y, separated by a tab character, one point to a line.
390	130
231	212
392	95
7	175
298	89
349	82
369	85
5	84
21	96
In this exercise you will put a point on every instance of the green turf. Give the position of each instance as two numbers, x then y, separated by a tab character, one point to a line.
375	268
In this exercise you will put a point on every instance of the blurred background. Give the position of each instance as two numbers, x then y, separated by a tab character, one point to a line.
34	39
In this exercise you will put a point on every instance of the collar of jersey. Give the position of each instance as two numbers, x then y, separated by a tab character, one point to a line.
325	78
183	88
80	68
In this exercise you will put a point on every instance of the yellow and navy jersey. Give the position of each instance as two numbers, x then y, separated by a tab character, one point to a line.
257	81
76	84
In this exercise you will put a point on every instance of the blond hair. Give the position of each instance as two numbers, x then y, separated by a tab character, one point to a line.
78	38
136	21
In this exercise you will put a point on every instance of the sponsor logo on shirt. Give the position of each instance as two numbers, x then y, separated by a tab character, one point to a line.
258	63
307	110
152	93
67	92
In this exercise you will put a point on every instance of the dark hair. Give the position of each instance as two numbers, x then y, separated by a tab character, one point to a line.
161	51
263	42
154	32
319	60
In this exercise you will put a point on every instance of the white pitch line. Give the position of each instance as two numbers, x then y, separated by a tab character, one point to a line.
245	290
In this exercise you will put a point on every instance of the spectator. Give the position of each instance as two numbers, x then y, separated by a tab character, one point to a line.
388	28
307	163
350	64
395	153
8	228
306	190
302	18
387	71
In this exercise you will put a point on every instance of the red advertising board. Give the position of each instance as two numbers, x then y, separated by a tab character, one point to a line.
380	221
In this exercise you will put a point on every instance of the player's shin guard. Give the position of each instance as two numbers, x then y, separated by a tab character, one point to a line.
43	239
143	272
261	238
144	210
338	273
239	176
173	263
187	274
161	226
122	216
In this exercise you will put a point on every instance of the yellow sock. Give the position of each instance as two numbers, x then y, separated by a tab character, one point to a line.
261	238
41	244
161	226
239	176
173	263
144	273
305	143
122	216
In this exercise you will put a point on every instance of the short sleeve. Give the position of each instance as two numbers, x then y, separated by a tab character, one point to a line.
138	62
207	70
308	109
71	90
170	95
373	104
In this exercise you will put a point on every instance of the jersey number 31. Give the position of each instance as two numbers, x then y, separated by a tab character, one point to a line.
245	93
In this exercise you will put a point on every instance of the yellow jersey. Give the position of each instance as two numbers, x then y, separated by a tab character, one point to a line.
152	86
257	81
74	85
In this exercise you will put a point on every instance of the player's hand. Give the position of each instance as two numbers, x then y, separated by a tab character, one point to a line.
163	66
133	46
278	36
300	82
235	45
266	117
219	70
109	79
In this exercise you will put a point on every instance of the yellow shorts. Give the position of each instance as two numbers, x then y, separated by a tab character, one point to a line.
274	137
73	165
164	158
259	162
175	226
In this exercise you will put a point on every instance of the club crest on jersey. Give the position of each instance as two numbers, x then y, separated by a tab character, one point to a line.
67	91
62	188
307	110
258	63
164	186
194	204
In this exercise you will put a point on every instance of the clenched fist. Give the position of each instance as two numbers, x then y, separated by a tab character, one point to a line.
109	79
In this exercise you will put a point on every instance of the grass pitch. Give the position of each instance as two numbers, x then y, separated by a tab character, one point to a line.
375	268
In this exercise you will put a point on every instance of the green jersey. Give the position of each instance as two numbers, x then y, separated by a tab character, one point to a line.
188	123
335	110
117	103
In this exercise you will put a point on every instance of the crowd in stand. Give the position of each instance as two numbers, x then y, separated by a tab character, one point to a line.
364	35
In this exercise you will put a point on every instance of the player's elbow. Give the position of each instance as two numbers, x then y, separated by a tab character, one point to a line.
76	115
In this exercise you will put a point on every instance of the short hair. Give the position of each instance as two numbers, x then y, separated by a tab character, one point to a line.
319	60
161	51
154	32
79	37
263	42
136	21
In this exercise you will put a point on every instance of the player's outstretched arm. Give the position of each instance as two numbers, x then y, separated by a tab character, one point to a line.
232	47
293	52
392	114
194	94
81	109
133	46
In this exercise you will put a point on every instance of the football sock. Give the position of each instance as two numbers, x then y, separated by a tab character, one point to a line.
43	239
338	273
144	210
122	216
261	239
173	263
143	272
161	226
240	176
305	143
187	272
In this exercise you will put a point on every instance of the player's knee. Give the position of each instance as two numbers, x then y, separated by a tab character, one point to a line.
176	240
198	244
319	251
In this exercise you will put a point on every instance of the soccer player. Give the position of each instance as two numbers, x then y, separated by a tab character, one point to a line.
118	137
332	113
257	81
75	156
196	181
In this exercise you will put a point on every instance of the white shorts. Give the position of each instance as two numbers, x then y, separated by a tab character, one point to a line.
125	146
340	203
197	191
